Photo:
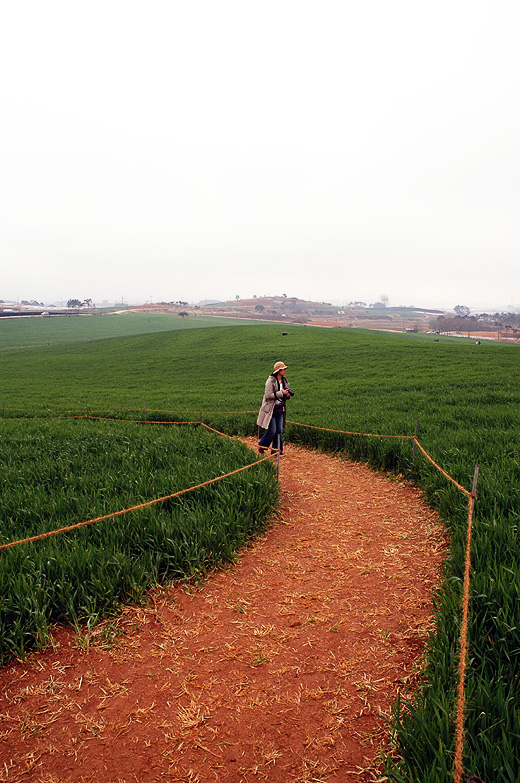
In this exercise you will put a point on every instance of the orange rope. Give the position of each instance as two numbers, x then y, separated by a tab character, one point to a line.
458	766
109	418
463	650
402	437
446	475
40	411
345	432
211	429
129	421
66	418
459	741
132	508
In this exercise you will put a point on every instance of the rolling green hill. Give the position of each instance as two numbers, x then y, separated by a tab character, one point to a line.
29	332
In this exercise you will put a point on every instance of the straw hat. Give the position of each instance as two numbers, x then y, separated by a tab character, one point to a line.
279	366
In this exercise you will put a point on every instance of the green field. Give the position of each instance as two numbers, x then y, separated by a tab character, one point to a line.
22	332
465	399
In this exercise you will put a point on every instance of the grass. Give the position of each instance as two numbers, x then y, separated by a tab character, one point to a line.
465	399
58	473
20	332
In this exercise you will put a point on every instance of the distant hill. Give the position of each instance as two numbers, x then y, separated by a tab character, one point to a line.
285	309
294	310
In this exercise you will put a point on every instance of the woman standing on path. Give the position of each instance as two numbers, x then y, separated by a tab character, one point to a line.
272	411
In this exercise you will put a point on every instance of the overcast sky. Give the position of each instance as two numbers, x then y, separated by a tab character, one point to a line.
197	149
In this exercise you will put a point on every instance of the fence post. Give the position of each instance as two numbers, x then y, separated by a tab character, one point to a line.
144	412
475	479
200	417
278	460
88	412
415	436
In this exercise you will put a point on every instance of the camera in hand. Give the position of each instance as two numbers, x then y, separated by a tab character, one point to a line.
291	393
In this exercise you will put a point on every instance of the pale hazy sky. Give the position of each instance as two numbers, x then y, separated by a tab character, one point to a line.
201	149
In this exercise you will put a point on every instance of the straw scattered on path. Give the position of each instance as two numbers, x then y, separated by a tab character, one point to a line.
277	668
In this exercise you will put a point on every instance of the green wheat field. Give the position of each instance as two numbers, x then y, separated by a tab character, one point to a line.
463	398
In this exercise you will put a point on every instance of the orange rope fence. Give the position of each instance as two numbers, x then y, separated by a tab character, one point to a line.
459	738
132	421
110	418
401	437
458	765
134	508
40	411
446	475
346	432
211	429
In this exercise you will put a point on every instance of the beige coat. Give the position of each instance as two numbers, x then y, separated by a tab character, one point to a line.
271	395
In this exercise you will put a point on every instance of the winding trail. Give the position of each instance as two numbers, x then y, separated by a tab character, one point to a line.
277	668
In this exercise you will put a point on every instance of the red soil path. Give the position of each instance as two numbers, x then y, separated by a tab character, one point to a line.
277	668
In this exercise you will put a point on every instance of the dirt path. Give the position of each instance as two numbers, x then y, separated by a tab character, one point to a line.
276	669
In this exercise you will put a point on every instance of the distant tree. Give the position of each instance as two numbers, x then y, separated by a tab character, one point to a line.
259	308
237	296
462	310
88	303
184	314
457	323
74	303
